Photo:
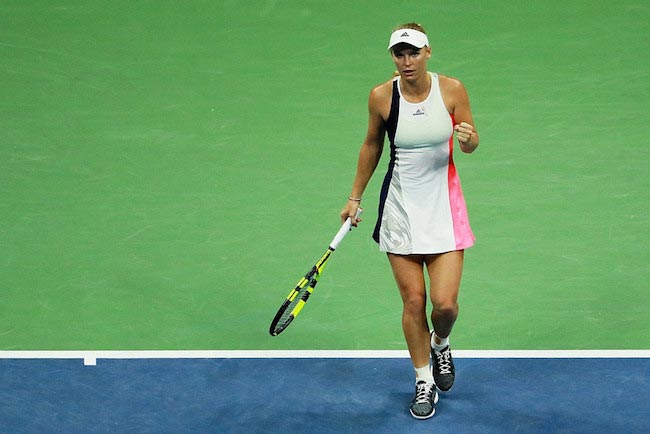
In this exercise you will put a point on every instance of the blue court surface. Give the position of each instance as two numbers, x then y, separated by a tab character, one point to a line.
318	395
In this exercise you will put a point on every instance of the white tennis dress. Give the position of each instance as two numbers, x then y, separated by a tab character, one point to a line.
422	209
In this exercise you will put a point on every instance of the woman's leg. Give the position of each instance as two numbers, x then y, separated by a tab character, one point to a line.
445	272
409	275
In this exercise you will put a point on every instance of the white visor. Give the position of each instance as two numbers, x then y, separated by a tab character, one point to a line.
408	36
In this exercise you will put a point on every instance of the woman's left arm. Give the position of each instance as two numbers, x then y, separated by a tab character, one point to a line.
457	100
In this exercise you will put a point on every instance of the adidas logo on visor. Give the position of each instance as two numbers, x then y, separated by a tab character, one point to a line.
404	34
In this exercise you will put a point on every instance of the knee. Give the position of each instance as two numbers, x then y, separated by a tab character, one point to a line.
447	309
414	304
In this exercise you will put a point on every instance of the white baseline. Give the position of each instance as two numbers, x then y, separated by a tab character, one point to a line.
90	357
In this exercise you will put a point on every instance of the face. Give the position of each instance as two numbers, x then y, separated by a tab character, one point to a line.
410	61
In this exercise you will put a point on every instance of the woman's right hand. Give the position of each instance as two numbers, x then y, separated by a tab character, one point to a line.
350	210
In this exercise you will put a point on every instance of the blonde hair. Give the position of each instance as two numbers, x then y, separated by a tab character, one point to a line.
412	26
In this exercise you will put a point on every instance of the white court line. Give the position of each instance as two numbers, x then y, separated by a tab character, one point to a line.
90	357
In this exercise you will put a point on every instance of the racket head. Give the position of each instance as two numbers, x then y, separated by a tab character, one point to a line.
297	298
293	304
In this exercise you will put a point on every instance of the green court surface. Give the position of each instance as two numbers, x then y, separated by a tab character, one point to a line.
168	171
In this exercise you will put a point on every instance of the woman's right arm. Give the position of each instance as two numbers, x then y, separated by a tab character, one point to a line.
371	149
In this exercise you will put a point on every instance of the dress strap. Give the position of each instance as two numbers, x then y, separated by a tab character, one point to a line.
391	122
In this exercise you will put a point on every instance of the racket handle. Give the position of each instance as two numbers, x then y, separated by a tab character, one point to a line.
345	228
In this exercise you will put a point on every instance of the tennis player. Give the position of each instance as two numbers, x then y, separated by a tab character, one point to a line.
422	223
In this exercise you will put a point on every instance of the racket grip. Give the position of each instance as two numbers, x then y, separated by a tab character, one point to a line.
345	228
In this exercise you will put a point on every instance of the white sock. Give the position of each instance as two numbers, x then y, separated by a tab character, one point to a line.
443	342
424	374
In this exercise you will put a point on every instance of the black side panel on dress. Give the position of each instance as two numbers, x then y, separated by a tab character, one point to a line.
391	129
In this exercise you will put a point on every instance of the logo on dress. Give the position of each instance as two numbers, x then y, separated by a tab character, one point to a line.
419	112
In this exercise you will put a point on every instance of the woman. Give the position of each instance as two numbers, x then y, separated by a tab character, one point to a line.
422	223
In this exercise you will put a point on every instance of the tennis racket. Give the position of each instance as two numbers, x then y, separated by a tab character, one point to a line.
297	298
